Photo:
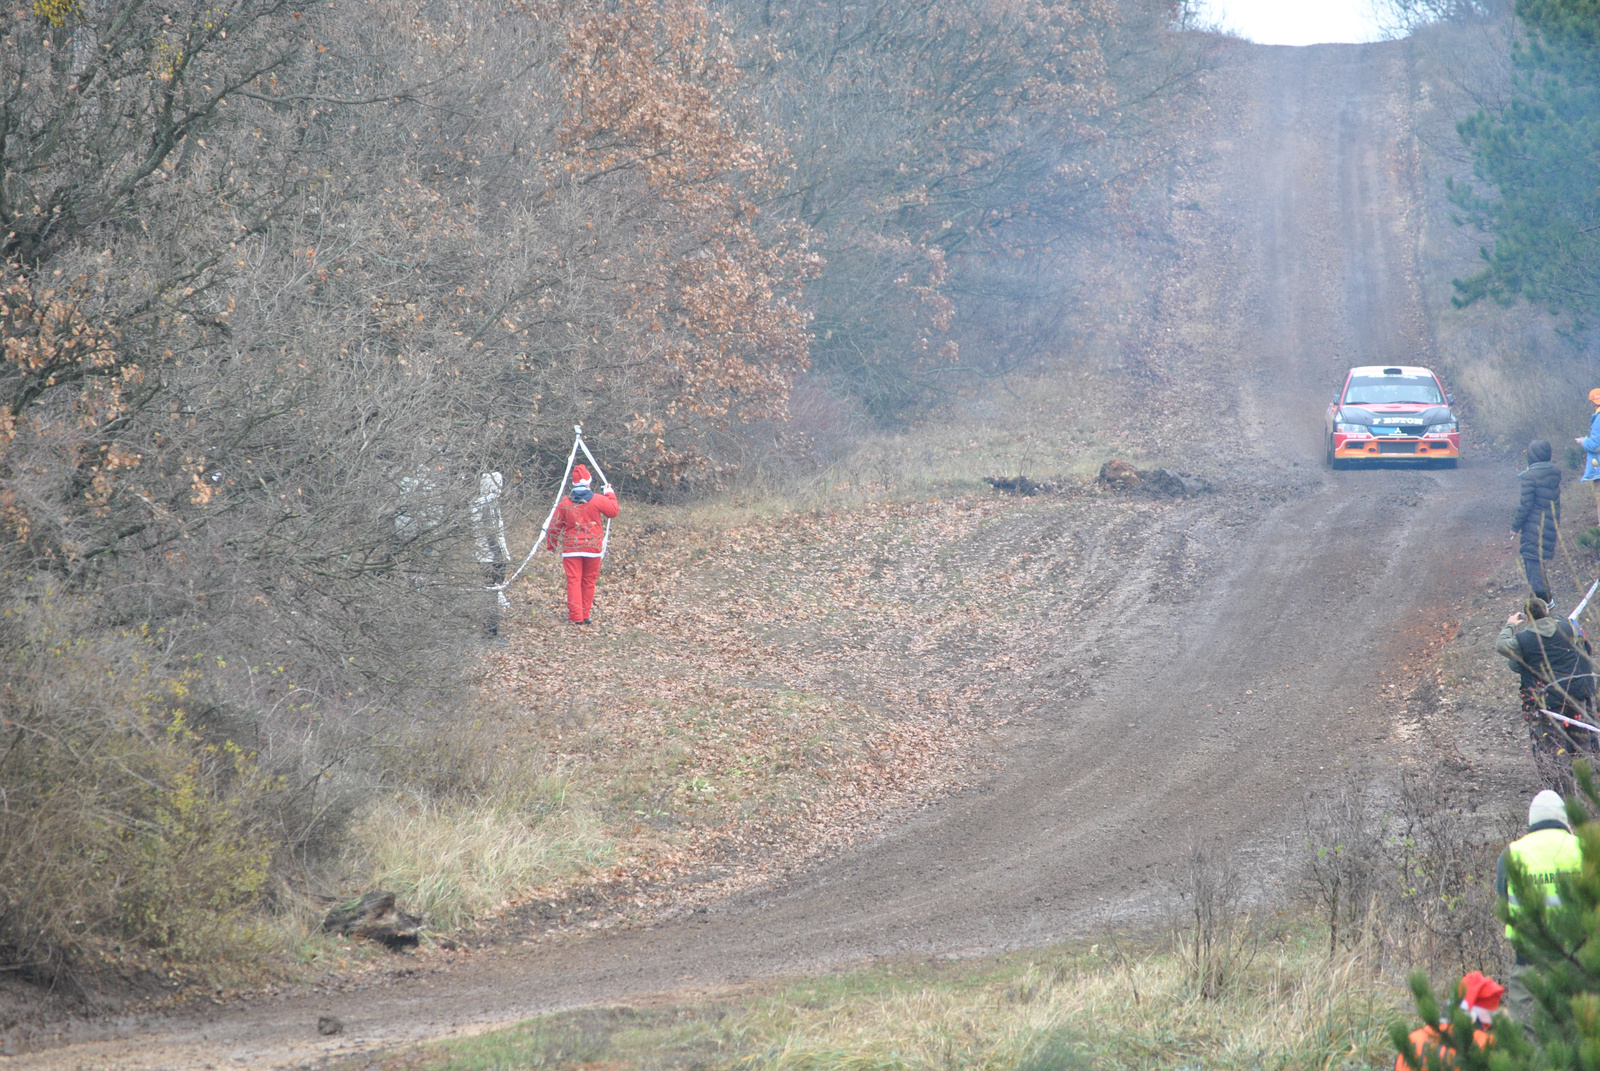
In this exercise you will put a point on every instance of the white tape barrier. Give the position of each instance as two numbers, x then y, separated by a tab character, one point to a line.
1573	617
605	538
544	530
1571	722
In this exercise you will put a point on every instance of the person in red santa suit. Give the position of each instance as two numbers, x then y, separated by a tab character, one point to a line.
578	531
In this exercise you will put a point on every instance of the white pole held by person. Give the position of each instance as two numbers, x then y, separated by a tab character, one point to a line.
572	457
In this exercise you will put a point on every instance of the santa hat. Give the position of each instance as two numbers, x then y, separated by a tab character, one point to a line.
1481	996
581	477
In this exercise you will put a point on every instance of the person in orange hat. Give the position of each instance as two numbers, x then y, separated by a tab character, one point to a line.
1480	997
1591	464
578	529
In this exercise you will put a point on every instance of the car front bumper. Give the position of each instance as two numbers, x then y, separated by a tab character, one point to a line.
1394	447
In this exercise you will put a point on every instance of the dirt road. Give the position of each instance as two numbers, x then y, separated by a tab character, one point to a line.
1228	672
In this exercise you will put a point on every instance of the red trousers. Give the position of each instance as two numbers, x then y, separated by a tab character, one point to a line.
581	575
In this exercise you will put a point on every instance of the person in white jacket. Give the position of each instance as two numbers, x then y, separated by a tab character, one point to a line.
489	547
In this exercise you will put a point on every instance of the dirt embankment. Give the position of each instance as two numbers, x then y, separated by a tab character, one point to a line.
1165	670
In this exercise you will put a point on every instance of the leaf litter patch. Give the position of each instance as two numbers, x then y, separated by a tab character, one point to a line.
756	695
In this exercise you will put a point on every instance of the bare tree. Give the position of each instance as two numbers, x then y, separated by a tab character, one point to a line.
1397	18
1344	863
954	160
1211	930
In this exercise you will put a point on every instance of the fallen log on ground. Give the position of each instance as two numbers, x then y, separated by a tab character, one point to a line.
375	917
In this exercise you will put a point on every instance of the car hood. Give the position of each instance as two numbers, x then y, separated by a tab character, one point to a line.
1366	414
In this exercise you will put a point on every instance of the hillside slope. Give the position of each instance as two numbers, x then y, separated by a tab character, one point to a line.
1167	669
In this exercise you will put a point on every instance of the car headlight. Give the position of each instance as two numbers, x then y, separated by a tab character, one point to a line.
1443	429
1351	429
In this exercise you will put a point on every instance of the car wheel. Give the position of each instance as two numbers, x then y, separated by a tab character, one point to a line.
1333	462
1446	462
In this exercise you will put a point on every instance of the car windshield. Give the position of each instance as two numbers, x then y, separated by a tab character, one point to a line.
1392	390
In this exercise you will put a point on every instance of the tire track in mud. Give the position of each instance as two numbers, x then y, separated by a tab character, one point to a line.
1226	670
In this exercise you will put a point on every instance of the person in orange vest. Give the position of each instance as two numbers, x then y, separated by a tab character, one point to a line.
1480	996
578	529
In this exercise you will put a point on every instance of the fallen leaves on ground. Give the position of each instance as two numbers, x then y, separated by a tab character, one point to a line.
755	694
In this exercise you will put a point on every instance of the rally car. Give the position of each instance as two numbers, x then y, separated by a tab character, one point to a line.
1398	413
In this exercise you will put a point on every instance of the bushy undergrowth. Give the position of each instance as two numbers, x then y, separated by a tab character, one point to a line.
1409	874
124	823
140	828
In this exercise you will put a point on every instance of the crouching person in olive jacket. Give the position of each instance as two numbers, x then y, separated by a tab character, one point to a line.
1557	674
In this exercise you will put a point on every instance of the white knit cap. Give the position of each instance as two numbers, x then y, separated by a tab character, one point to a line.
1546	807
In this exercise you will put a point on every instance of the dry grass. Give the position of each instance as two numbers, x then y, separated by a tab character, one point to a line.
1057	425
1297	1007
1493	351
456	862
1057	1008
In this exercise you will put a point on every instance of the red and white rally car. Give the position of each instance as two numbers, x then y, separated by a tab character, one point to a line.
1398	413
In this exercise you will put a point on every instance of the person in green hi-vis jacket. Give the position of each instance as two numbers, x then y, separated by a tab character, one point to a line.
1549	849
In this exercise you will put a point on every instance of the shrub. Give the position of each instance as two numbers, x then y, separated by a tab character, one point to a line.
1413	878
1212	935
124	828
1343	865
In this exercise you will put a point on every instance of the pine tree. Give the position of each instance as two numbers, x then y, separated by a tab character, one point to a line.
1541	151
1562	943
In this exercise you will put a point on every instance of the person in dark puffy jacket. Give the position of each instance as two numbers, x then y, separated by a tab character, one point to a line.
1538	513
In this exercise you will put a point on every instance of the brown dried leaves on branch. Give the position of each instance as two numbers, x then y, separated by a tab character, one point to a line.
712	302
63	387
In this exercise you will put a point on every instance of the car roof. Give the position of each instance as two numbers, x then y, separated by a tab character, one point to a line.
1378	370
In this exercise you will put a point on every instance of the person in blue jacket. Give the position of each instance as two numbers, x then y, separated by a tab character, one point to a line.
1591	464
